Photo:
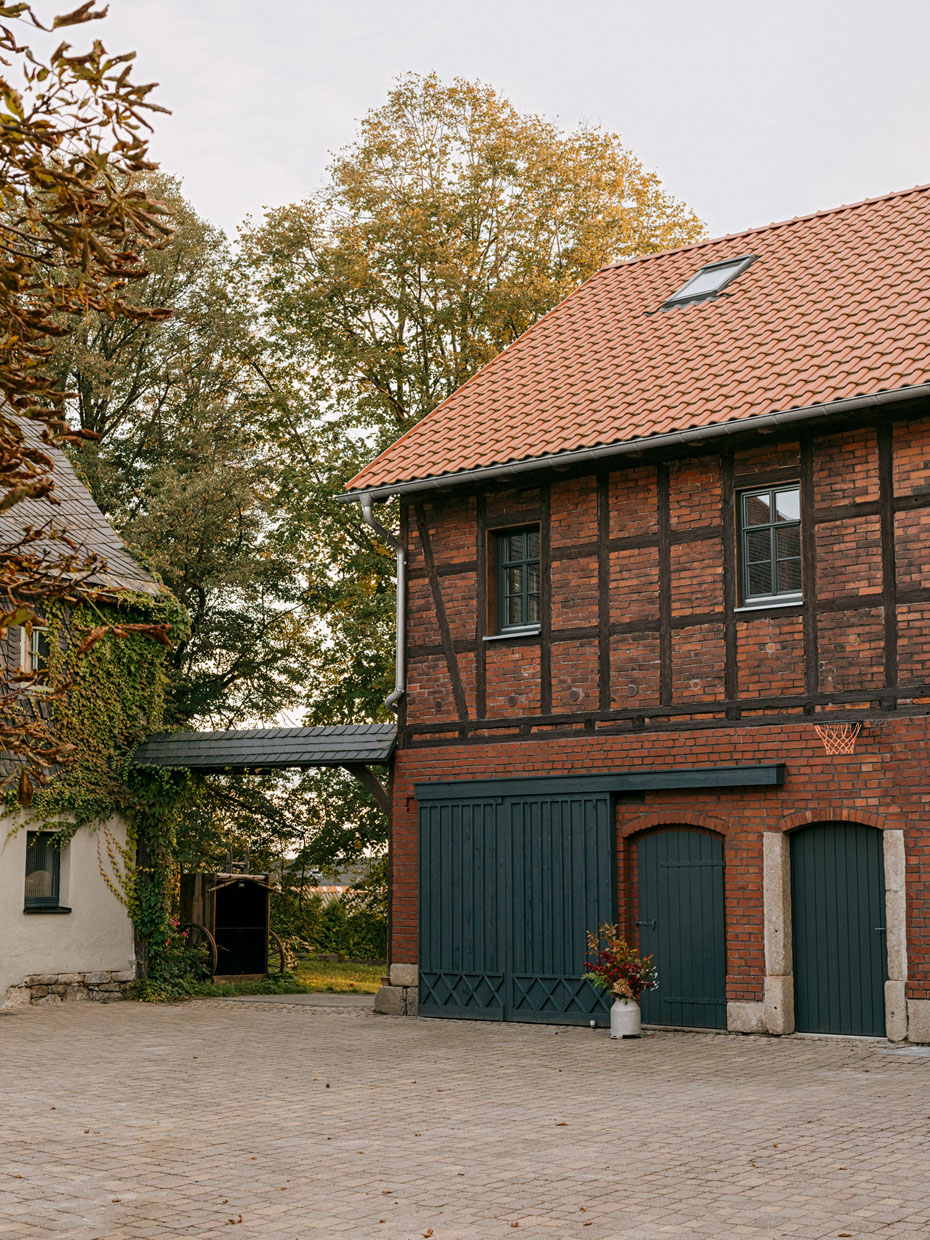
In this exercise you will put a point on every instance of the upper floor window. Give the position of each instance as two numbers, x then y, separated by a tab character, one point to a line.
518	578
34	649
770	545
43	870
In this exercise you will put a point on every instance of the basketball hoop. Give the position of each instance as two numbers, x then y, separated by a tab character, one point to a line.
838	737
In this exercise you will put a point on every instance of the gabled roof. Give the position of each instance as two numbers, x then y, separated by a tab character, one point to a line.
78	516
252	748
835	307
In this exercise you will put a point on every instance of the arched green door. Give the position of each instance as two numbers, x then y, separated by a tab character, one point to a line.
681	924
838	924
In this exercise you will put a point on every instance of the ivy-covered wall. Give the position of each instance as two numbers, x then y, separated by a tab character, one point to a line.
117	696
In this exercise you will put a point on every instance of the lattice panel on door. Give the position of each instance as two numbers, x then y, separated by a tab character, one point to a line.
469	993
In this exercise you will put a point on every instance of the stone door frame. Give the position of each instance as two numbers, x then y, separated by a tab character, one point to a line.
778	996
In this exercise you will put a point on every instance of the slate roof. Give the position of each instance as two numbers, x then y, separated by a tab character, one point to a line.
78	516
249	748
836	306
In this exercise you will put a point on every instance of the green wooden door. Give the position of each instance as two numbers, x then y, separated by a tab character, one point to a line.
838	925
509	887
681	924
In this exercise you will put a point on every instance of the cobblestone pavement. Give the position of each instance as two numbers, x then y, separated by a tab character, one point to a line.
250	1120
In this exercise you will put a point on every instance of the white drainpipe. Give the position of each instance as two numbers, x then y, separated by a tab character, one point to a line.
399	654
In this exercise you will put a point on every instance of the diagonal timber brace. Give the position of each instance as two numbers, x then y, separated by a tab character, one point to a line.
372	783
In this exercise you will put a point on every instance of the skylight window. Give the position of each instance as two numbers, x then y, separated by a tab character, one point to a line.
710	281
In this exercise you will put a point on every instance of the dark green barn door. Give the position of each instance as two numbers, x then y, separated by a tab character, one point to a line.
508	889
681	923
838	923
462	945
561	884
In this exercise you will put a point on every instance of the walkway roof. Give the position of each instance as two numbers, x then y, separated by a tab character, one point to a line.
265	748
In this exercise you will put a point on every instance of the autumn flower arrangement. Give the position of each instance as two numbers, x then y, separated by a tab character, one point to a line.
616	967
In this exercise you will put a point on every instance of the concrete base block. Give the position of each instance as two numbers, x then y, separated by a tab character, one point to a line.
746	1018
404	975
779	1004
391	1001
895	1012
918	1020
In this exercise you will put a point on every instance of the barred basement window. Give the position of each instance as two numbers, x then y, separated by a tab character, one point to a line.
43	871
770	545
518	579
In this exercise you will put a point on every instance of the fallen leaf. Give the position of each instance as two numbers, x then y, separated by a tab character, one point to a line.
561	1123
583	1209
237	1219
116	1200
428	1233
514	1224
386	1192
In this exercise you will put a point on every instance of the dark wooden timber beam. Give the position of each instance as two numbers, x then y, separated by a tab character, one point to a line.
371	783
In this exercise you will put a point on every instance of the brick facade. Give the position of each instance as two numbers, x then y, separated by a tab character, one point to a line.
645	658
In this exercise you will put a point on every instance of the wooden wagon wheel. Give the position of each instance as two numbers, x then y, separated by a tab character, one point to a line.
211	942
282	955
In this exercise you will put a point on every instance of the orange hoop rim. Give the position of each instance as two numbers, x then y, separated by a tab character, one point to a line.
838	737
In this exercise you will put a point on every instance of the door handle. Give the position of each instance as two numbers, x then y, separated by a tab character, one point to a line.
645	923
880	929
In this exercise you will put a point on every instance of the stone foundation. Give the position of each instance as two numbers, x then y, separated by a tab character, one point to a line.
400	995
105	986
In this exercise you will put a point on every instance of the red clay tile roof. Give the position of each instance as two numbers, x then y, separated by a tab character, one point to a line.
837	306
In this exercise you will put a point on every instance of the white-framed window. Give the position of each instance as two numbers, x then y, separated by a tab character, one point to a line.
770	545
33	649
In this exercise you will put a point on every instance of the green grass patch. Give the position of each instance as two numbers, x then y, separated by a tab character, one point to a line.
344	977
340	976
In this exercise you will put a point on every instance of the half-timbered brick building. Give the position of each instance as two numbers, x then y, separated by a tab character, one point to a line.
650	550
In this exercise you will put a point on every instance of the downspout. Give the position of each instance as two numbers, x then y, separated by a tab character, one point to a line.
399	652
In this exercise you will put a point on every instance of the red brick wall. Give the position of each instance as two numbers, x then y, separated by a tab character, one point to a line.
884	783
679	680
769	652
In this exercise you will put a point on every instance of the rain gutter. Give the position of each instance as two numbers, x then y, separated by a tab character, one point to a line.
676	439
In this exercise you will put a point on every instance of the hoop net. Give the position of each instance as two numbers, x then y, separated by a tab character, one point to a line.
838	737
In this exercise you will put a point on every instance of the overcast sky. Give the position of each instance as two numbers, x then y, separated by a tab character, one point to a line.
749	110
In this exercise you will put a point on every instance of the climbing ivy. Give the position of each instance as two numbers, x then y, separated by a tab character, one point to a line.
116	697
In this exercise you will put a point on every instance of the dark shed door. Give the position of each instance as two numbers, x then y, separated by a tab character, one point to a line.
838	923
681	924
508	889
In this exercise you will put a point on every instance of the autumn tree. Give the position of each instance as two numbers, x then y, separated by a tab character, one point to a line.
184	462
75	222
446	229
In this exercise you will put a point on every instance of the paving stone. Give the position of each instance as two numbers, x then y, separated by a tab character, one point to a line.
180	1118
